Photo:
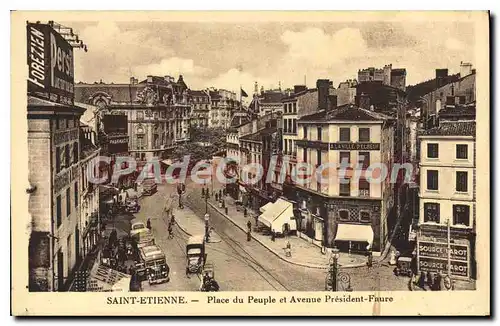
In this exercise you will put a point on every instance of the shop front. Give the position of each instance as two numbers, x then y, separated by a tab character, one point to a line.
435	254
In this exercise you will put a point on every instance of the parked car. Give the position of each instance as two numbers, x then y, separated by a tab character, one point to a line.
138	227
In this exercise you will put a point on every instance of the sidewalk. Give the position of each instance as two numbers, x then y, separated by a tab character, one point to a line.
304	253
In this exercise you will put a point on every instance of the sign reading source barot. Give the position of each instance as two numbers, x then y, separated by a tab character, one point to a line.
50	64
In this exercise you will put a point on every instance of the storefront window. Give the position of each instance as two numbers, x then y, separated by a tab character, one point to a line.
364	217
343	215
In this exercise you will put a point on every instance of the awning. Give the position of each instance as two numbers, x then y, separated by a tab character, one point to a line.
355	232
265	207
278	214
105	279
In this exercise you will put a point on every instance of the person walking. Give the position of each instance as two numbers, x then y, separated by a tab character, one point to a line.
148	224
249	226
369	262
170	231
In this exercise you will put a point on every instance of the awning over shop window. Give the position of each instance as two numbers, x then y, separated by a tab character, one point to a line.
355	232
277	215
105	279
265	207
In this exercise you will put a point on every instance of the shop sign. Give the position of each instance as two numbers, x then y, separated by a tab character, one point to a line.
355	146
440	250
312	144
458	268
50	64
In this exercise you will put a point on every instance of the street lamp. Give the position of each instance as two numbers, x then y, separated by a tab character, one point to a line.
334	277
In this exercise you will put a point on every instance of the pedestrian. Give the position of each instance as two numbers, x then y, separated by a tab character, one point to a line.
369	262
437	282
170	231
288	249
249	235
273	236
172	219
421	281
148	224
429	280
249	226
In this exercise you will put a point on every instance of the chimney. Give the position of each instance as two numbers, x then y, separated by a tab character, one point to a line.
322	85
133	81
332	102
299	88
150	79
364	101
465	69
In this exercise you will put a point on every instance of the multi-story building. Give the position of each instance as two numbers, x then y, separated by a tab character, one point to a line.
462	90
347	211
158	111
267	101
223	103
200	113
89	192
346	92
448	199
54	162
395	77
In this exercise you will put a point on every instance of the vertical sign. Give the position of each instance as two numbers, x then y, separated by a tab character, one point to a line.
50	64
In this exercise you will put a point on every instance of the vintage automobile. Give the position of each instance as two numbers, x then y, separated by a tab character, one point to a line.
149	186
195	254
137	227
403	266
132	206
152	265
208	282
143	238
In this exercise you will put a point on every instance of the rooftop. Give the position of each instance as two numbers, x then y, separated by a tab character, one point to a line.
257	136
347	112
455	128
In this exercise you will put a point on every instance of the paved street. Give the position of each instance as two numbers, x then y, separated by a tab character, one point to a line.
239	264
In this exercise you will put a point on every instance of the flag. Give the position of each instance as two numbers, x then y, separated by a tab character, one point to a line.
243	93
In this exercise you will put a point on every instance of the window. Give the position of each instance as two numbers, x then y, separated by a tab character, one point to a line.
364	217
320	131
344	215
58	123
305	131
294	107
68	202
345	134
345	157
289	125
345	187
67	159
76	152
461	181
432	150
461	152
286	146
76	194
364	160
294	126
364	188
461	214
58	211
364	134
318	159
285	125
431	212
305	154
432	180
58	159
140	115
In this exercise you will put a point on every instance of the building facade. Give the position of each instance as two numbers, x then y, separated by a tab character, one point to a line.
158	110
395	77
448	199
346	92
223	104
200	113
345	209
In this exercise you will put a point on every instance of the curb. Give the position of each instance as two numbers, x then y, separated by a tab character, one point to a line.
269	248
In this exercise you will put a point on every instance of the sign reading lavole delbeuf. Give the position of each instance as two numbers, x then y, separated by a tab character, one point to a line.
125	206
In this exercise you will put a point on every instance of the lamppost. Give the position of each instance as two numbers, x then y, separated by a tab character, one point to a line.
336	279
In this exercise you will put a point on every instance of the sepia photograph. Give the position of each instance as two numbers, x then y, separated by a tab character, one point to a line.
331	156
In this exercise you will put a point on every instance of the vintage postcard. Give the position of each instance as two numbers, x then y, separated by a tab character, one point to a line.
250	163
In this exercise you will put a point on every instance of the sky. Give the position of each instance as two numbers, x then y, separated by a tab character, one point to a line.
227	55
